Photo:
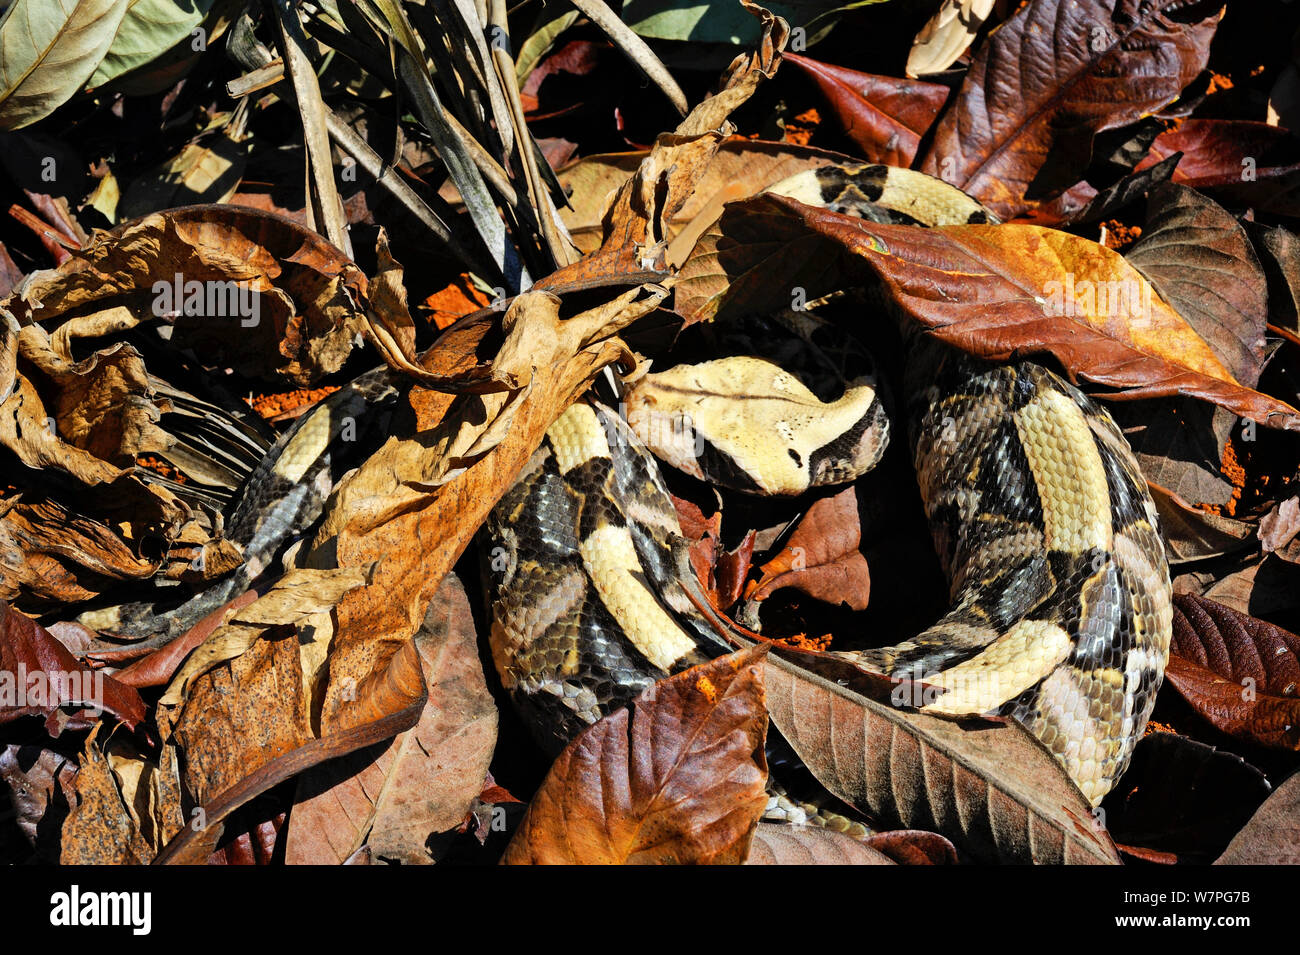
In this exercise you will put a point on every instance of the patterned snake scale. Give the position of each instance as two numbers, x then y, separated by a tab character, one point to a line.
1061	606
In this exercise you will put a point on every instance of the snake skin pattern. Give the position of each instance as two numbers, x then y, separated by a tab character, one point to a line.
1061	600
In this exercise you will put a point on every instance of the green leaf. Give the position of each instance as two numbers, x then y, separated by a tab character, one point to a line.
48	49
553	21
148	30
725	21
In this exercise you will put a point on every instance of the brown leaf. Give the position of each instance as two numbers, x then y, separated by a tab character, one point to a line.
1201	262
100	829
885	116
394	796
778	844
999	292
1279	254
1263	718
1049	79
305	290
1235	645
636	230
822	557
678	777
914	847
1192	534
1239	161
991	788
1179	443
1272	836
127	805
1239	672
256	844
1267	586
1279	526
195	843
741	167
40	676
40	783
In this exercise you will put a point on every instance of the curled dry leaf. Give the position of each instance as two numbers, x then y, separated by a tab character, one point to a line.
293	310
776	844
126	806
38	677
76	519
282	701
741	167
636	221
1012	136
822	557
40	788
721	573
1279	254
1279	527
885	116
678	777
1239	672
1272	836
946	35
999	292
989	787
394	796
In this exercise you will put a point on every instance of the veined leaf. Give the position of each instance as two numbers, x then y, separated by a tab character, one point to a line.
148	29
48	49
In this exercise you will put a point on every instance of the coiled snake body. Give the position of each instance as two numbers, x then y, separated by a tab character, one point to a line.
1061	601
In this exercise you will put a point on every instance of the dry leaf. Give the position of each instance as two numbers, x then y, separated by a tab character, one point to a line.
1239	672
1052	76
1240	161
1272	836
395	796
999	292
294	310
676	778
946	35
885	116
38	676
822	557
1201	262
777	844
991	788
